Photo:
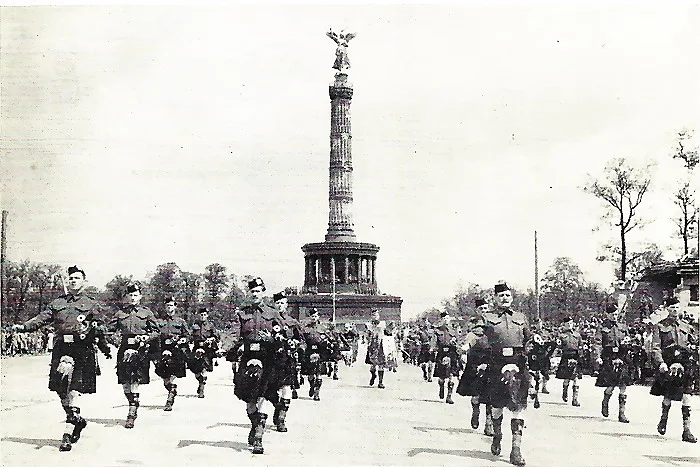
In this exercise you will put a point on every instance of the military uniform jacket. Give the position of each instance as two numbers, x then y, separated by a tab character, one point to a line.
173	327
671	332
135	320
506	330
69	314
291	328
570	341
315	335
610	333
201	331
256	322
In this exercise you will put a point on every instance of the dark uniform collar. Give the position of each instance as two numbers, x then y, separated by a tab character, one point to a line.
73	297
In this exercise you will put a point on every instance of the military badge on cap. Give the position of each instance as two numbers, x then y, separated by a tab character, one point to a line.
257	282
133	287
479	302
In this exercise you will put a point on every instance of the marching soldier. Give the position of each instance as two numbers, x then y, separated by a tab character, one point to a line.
447	363
173	341
612	352
351	337
77	320
285	363
473	380
539	361
257	321
317	351
508	333
569	369
426	357
205	345
672	352
139	331
377	354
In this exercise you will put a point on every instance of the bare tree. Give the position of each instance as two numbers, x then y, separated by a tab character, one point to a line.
685	150
622	187
684	198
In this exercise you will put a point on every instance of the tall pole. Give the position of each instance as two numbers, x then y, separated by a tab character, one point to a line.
3	251
333	290
537	283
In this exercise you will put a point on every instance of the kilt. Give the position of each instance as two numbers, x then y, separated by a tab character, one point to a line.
472	383
426	355
138	369
674	387
173	365
569	365
314	368
252	381
198	361
283	371
498	393
538	362
608	376
84	378
447	362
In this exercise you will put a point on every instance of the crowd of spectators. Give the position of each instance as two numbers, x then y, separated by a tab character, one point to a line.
29	343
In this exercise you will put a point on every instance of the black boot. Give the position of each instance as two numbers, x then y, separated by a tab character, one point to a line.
312	383
425	372
450	387
565	393
661	427
133	399
574	397
622	399
172	392
281	409
200	389
516	428
295	394
335	370
259	430
442	389
373	377
251	434
381	380
317	389
497	436
687	435
79	423
475	415
65	443
605	406
488	422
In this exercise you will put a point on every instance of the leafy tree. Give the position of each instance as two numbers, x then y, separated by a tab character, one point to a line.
166	282
562	284
215	283
116	289
622	188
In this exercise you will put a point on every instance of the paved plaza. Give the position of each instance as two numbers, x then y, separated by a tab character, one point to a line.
353	424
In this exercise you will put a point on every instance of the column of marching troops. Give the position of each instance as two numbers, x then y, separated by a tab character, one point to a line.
502	365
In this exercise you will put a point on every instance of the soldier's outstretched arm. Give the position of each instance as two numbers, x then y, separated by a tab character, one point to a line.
40	320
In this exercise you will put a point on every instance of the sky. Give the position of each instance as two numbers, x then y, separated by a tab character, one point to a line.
135	136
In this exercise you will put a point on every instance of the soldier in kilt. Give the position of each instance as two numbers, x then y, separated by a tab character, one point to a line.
539	362
570	342
289	337
205	344
447	361
317	350
139	332
172	350
378	352
426	355
473	381
78	322
613	354
508	379
673	351
259	324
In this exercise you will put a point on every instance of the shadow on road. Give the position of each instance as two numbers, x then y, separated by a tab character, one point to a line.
634	435
426	429
107	421
238	425
474	454
583	417
214	444
674	459
421	400
37	443
554	403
